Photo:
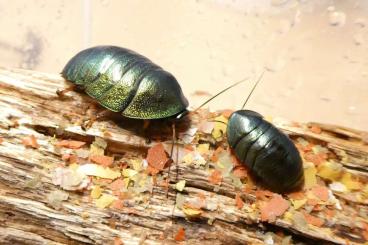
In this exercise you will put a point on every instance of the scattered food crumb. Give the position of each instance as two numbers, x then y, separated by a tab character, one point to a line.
180	235
30	141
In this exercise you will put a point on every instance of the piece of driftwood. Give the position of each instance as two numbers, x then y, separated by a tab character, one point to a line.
29	106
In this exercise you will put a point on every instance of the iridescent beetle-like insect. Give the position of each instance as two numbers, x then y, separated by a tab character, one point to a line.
265	150
124	81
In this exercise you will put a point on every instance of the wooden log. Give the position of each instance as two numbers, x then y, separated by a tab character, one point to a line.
40	205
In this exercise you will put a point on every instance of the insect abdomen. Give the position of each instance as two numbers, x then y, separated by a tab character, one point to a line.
266	151
115	76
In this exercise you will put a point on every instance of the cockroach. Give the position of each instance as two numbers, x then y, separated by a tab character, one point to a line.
124	81
267	152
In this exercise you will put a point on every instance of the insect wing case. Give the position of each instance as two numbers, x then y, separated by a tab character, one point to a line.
123	81
267	152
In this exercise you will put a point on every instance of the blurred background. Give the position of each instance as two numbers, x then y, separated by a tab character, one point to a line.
315	51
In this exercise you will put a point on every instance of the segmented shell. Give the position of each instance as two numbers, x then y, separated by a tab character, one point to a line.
265	150
123	81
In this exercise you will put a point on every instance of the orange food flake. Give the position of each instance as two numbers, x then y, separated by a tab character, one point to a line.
107	134
330	212
312	202
227	112
195	205
304	148
321	192
313	220
238	201
180	235
69	158
247	189
263	194
215	155
117	204
296	195
215	177
117	185
105	161
189	147
202	197
118	241
315	158
240	172
365	231
1	140
236	162
30	141
157	157
315	129
274	208
71	144
152	171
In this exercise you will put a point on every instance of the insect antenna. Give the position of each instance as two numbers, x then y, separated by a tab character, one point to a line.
221	92
254	87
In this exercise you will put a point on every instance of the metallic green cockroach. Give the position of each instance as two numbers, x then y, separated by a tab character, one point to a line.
124	81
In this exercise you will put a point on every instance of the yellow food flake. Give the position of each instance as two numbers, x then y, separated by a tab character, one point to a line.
105	200
203	148
137	164
330	170
95	150
74	166
188	158
310	177
365	192
191	212
96	192
129	173
288	216
98	171
84	215
350	183
220	128
126	182
180	185
298	203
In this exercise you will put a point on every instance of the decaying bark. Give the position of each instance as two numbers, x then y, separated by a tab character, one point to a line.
30	106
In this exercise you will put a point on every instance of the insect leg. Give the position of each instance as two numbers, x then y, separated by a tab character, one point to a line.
88	122
171	154
61	93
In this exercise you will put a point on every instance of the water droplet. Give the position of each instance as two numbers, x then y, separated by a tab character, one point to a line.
275	65
331	8
358	39
278	2
105	2
245	35
284	26
325	98
182	44
226	70
337	18
360	22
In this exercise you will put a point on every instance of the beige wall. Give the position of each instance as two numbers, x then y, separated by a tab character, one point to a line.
315	51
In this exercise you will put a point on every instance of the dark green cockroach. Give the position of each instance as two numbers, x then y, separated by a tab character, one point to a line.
267	152
124	81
